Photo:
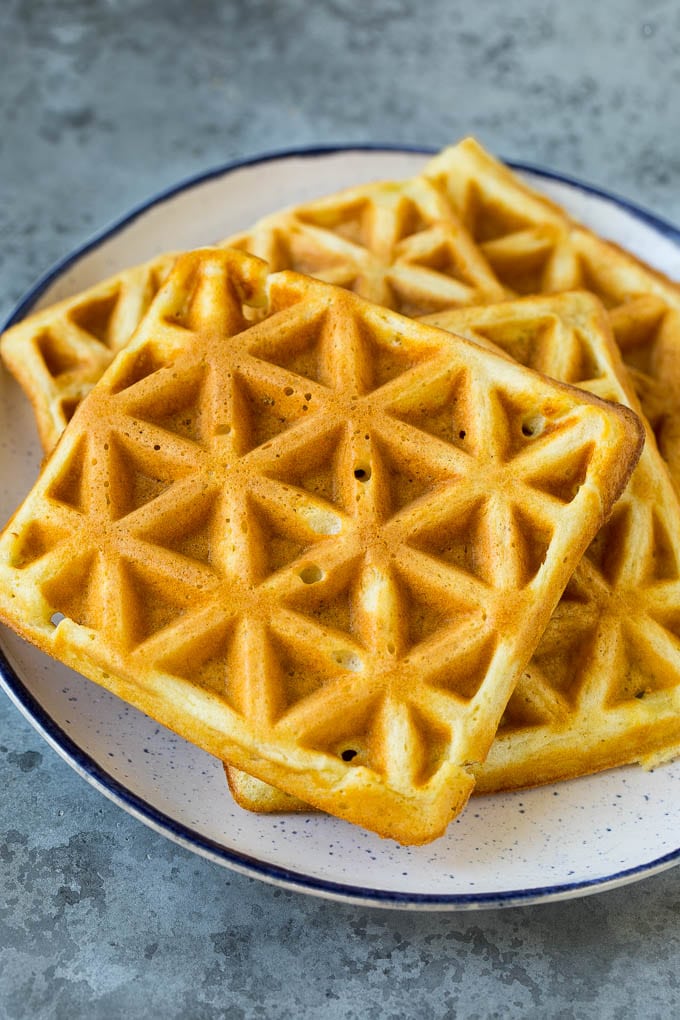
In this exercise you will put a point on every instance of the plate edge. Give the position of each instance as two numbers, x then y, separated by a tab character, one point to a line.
98	777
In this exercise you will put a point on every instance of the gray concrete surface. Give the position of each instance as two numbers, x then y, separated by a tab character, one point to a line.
103	103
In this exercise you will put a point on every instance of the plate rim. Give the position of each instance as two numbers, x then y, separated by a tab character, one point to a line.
181	833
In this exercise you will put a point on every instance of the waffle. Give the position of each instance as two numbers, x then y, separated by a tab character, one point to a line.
59	353
322	547
396	243
535	248
603	687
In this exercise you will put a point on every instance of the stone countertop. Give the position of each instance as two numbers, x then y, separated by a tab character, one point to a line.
105	103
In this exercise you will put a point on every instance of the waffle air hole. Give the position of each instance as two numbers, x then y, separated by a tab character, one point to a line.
56	618
362	473
462	434
289	391
532	427
311	574
308	396
156	446
348	754
223	430
348	660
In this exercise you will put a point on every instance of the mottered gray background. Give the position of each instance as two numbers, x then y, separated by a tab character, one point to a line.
104	103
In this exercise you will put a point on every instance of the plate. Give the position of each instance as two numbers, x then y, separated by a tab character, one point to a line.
551	843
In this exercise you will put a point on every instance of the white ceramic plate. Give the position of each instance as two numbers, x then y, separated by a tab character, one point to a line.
545	844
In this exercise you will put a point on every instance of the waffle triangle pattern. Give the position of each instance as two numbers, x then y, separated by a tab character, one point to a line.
603	687
534	247
397	243
238	533
59	353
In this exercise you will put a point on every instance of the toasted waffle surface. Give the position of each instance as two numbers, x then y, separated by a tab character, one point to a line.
603	687
59	353
535	248
322	547
396	243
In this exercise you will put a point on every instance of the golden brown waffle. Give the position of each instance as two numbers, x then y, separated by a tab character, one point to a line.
323	547
396	243
603	687
535	248
59	353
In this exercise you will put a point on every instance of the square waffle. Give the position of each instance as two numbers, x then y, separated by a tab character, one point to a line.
322	547
396	243
603	687
534	247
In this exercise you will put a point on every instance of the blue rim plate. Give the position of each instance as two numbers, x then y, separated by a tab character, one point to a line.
17	682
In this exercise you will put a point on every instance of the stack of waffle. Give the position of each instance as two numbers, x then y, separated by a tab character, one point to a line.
358	501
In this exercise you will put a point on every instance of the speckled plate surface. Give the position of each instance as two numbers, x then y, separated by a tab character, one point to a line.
556	842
